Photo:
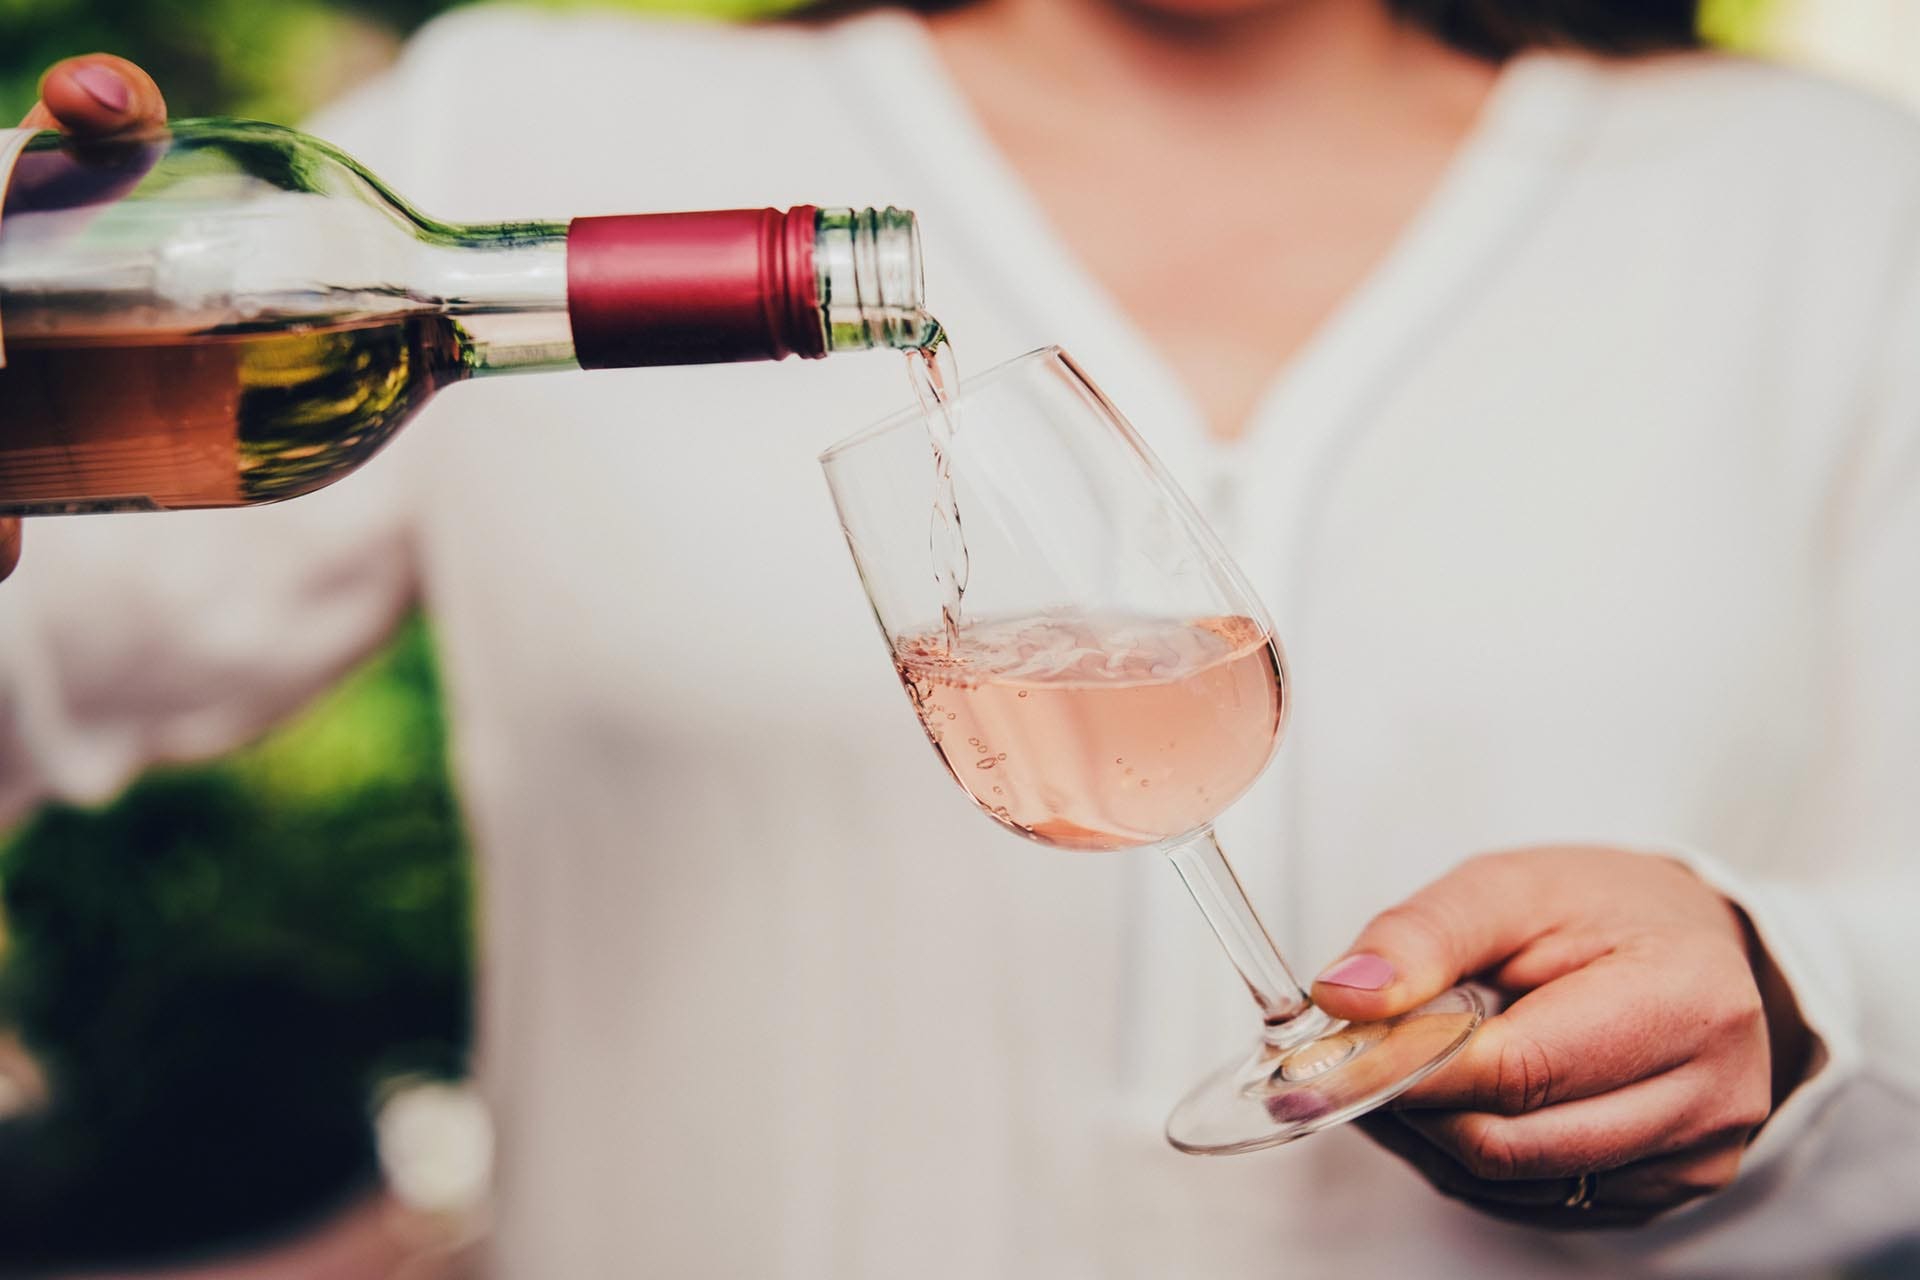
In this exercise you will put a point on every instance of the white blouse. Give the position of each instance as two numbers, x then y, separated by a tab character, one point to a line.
1593	514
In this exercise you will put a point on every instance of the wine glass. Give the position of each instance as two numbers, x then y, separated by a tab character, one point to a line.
1111	682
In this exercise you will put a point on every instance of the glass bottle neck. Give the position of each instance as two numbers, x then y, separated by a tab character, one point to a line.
683	288
868	279
505	286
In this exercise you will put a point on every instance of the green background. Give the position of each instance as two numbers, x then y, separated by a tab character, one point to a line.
219	969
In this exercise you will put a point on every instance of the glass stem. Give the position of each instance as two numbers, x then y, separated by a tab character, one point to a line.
1290	1017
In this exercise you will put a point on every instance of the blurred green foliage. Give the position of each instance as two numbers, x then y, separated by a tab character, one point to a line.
1736	24
275	59
269	59
219	967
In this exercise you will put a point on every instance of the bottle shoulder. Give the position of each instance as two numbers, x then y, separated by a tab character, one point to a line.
280	158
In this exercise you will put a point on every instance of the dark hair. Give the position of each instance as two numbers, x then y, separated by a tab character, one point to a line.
1496	28
1488	28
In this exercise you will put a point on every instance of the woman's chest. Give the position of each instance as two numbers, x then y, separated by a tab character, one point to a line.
1460	568
651	555
1517	615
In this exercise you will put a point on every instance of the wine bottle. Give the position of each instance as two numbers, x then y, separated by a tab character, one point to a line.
227	313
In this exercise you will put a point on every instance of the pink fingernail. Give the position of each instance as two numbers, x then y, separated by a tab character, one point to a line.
1364	972
103	86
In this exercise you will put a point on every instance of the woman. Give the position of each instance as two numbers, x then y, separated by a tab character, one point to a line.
1552	382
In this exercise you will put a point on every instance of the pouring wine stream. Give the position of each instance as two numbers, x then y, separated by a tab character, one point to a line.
935	380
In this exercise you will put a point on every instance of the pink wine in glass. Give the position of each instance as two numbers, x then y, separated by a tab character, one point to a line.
1099	731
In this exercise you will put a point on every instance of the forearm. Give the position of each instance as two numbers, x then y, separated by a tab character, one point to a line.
1790	1044
126	641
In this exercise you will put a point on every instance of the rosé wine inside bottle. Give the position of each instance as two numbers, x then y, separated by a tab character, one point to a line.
1099	732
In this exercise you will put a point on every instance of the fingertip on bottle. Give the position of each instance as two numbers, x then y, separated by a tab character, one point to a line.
98	94
9	546
104	85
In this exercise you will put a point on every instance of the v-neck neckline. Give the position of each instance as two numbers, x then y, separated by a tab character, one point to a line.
1527	123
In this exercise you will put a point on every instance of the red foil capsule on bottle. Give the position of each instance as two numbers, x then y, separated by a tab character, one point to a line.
693	288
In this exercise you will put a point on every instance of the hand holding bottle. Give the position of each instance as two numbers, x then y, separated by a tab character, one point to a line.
93	96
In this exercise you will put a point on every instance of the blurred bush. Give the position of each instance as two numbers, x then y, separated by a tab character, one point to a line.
273	60
219	968
277	60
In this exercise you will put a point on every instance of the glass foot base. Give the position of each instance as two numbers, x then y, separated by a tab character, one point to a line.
1346	1069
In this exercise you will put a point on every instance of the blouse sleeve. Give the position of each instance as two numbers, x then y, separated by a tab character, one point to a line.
132	640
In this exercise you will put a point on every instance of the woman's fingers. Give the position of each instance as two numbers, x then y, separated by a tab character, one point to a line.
1534	1202
1626	1196
1671	1180
1652	1118
1467	922
98	95
1596	1029
1449	1176
9	546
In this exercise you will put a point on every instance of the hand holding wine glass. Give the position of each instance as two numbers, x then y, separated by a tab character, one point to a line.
1648	1038
96	96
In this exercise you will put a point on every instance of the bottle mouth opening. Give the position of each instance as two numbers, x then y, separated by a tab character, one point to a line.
869	279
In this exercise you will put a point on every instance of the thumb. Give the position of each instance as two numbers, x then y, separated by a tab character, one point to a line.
98	97
1469	920
9	546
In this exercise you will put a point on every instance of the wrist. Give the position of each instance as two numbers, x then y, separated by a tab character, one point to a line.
1789	1040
